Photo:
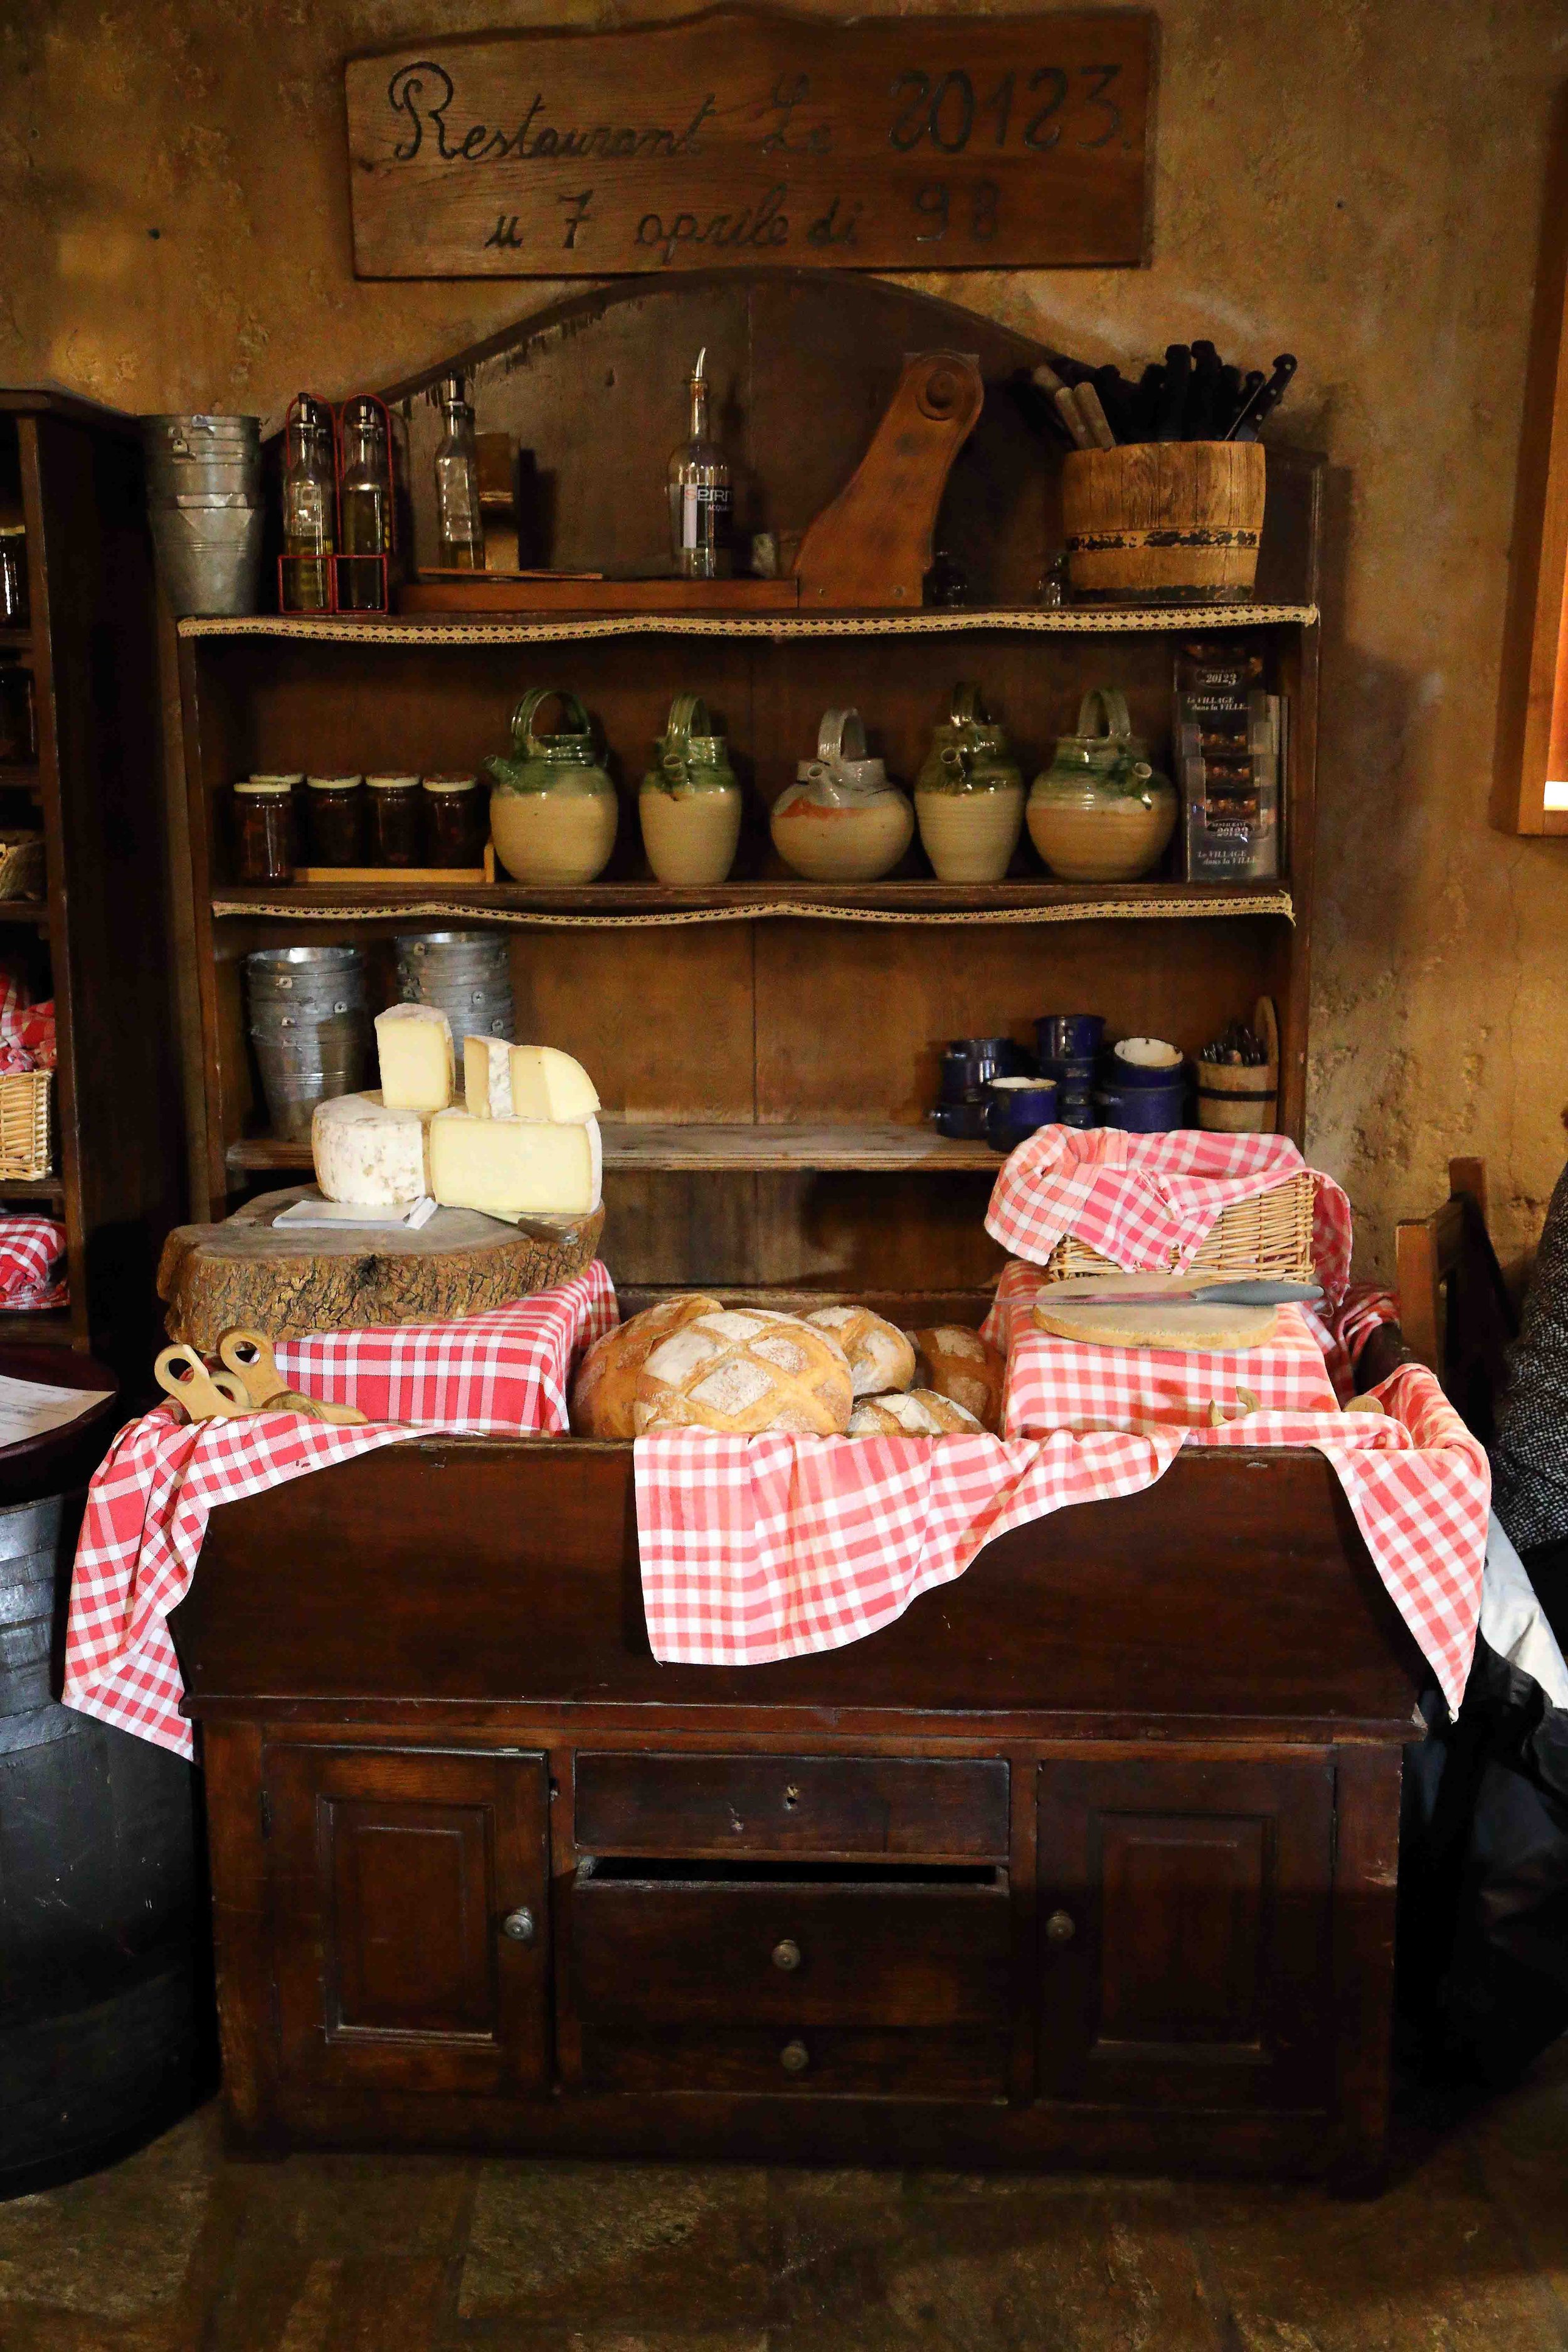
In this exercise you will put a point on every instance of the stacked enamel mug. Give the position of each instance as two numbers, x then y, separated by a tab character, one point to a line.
1068	1044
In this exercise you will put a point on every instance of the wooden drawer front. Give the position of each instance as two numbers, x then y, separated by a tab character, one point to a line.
393	1876
1184	1948
921	1808
898	1989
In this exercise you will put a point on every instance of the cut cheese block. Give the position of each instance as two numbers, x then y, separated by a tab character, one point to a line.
515	1167
487	1077
369	1154
547	1084
414	1043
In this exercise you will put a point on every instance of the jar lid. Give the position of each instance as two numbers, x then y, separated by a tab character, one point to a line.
392	783
13	530
334	784
277	785
450	783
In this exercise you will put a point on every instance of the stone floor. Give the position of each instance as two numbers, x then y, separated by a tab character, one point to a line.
179	2251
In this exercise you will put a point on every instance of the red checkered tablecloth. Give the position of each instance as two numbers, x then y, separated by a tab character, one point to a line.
148	1506
1147	1202
765	1548
1060	1384
31	1250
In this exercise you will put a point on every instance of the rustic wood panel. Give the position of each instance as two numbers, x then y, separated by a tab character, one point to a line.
744	137
872	1805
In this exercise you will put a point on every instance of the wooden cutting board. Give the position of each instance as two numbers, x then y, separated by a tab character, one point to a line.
1092	1308
243	1272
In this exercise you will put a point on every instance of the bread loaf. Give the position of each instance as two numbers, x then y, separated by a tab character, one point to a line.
920	1414
958	1363
881	1356
745	1370
607	1377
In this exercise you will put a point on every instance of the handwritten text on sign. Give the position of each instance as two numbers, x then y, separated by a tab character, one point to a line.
735	138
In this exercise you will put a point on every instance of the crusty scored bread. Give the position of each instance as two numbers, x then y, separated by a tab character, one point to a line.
958	1363
741	1369
881	1356
919	1413
607	1376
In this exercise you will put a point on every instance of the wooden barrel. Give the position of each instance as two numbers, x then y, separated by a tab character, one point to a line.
1237	1099
103	2008
1163	521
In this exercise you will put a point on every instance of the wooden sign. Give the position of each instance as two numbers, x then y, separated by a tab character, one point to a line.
739	138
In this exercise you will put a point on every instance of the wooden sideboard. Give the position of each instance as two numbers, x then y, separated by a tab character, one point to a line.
1089	1859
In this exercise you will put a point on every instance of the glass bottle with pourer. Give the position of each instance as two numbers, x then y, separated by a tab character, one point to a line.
364	510
460	525
310	508
701	493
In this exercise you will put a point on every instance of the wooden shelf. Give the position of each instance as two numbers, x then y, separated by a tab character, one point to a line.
652	902
16	641
32	1188
629	1145
557	629
32	911
51	1326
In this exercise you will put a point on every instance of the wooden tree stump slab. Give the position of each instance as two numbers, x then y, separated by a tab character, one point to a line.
243	1272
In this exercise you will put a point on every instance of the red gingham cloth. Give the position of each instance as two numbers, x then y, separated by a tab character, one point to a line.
1147	1202
29	1248
1061	1384
148	1505
756	1548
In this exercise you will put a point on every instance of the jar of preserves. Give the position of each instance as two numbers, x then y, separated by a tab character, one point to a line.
395	813
265	836
334	822
457	821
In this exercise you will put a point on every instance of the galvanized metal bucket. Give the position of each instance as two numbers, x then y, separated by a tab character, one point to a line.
467	973
310	1028
205	505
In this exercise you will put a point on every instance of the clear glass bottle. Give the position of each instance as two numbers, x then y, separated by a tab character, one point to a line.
458	524
701	494
364	510
309	509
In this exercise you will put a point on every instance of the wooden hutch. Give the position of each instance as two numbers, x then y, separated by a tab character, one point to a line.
1090	1857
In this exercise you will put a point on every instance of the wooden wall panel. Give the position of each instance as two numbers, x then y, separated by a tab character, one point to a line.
663	1018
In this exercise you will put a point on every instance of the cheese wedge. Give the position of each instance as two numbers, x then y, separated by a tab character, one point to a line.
487	1077
414	1043
368	1154
516	1167
548	1084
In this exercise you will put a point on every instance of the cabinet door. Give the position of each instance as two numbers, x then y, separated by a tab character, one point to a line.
409	1917
1185	1916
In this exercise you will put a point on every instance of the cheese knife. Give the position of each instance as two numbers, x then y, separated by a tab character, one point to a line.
1241	1292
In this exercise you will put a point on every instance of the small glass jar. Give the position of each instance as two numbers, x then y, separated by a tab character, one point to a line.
19	731
266	834
335	820
13	576
456	820
396	820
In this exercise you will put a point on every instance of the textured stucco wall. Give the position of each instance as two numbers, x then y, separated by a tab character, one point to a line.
1357	180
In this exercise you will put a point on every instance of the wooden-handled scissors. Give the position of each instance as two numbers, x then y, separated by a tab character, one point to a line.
205	1395
248	1357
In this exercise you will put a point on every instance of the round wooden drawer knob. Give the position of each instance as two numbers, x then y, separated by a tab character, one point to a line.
786	1953
1061	1927
518	1924
795	2057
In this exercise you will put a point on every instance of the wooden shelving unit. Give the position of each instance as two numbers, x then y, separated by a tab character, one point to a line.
766	1050
99	941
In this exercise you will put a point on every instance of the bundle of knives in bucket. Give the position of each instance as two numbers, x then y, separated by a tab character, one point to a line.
1194	396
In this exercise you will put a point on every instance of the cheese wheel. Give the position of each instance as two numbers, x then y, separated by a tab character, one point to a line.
414	1046
607	1377
958	1363
368	1155
548	1084
920	1414
744	1369
487	1077
515	1167
881	1356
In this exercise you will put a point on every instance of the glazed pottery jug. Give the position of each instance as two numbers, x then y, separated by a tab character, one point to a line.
969	795
552	808
1099	813
690	802
842	821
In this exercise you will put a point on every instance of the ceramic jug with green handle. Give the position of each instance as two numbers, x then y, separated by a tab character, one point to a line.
553	807
969	795
691	800
1100	812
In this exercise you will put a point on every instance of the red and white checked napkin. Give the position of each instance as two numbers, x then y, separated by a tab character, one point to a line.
765	1548
1061	1384
148	1506
30	1249
1147	1202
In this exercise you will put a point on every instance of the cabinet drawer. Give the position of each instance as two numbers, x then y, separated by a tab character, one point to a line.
820	2062
922	1807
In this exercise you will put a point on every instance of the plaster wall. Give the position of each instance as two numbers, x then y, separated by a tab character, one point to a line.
1357	180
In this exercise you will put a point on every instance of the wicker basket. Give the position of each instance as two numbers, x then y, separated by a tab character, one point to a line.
1271	1234
24	1123
21	865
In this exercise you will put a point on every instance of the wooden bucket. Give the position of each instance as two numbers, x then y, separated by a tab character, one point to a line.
1163	521
1237	1099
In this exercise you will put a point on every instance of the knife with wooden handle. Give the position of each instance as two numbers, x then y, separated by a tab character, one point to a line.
1242	1291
